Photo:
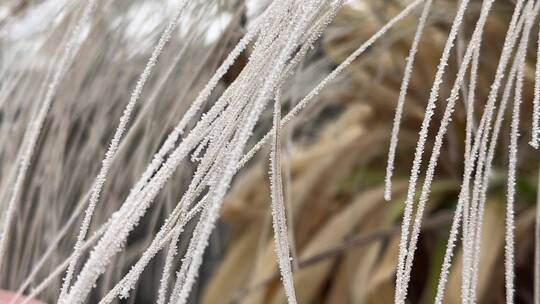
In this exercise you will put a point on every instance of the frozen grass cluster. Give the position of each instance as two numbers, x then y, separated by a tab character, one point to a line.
217	127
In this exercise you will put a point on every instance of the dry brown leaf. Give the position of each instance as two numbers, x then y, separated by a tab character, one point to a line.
491	258
380	288
239	261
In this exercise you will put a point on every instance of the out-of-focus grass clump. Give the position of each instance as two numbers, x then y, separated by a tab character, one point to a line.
344	236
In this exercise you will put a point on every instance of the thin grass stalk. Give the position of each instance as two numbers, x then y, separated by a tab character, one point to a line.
486	175
279	219
485	121
171	252
537	244
535	127
512	164
474	44
469	105
401	99
401	284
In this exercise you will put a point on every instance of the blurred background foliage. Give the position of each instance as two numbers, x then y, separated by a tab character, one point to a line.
344	236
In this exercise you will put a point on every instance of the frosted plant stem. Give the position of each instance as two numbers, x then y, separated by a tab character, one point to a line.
509	43
537	243
239	142
214	149
469	133
469	224
400	292
137	203
512	163
158	159
199	101
42	90
474	239
521	53
454	95
46	283
473	221
401	99
449	252
535	136
135	206
81	203
384	29
487	174
183	275
196	187
458	217
469	124
203	96
204	163
235	52
165	234
212	83
141	186
90	241
328	79
113	146
485	183
289	196
278	210
459	58
186	261
280	231
35	126
146	107
164	282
